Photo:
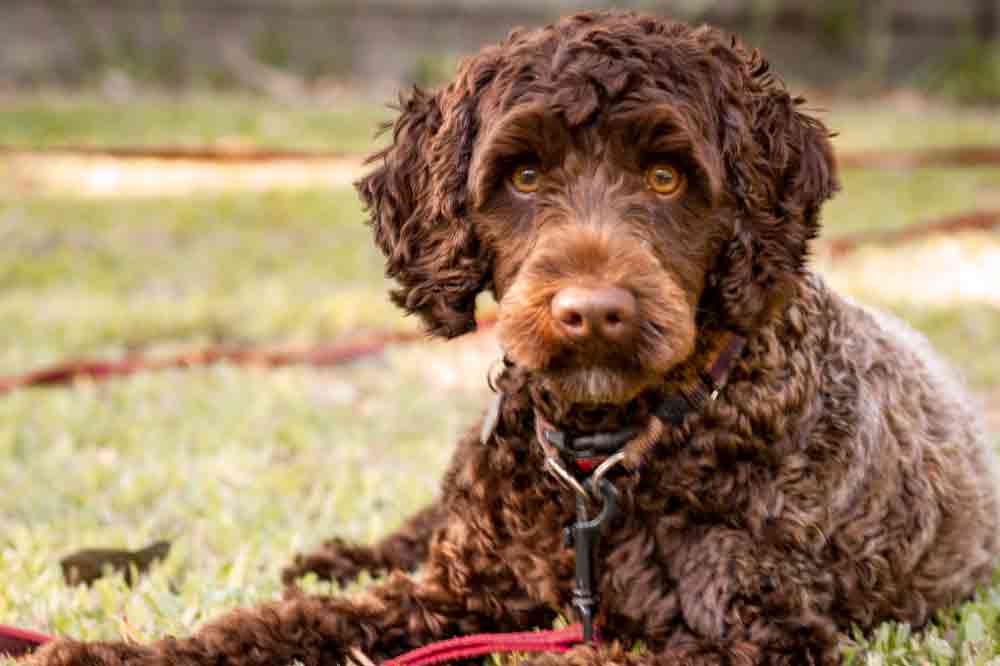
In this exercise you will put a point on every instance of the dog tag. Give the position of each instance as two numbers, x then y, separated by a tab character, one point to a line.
491	419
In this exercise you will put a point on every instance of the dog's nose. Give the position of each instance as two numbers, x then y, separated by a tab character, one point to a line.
582	312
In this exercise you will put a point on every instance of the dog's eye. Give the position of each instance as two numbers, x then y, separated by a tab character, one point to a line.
663	178
525	178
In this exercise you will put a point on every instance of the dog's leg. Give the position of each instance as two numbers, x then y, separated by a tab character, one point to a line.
740	602
739	596
341	561
466	588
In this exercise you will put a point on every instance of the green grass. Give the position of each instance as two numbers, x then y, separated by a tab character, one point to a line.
192	121
889	199
882	125
105	276
968	334
968	635
241	467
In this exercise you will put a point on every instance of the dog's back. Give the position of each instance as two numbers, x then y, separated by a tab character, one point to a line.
916	525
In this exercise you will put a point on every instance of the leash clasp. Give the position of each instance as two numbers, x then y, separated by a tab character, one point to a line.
584	536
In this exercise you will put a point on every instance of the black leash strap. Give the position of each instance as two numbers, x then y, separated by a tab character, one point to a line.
584	536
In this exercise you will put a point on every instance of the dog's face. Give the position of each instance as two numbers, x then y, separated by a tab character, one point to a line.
617	181
601	236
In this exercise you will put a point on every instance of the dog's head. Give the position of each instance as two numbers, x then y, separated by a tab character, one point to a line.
617	181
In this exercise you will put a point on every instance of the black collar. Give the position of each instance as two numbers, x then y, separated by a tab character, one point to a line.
710	382
585	452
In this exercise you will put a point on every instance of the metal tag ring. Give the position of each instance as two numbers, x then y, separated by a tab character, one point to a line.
560	473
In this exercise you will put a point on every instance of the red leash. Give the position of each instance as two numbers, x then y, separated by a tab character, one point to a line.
321	356
477	645
19	642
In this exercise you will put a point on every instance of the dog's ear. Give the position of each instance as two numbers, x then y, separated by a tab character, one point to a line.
800	174
415	197
781	168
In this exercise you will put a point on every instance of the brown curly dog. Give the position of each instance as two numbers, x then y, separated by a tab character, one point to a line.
639	196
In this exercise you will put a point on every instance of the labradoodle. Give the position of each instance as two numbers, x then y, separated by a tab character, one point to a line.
639	196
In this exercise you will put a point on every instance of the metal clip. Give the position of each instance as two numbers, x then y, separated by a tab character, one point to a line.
603	469
585	535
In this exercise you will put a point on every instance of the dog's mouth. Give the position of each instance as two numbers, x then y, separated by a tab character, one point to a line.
598	388
595	371
599	428
593	417
585	436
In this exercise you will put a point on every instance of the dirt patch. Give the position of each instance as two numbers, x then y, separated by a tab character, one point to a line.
458	365
913	159
103	176
939	270
976	220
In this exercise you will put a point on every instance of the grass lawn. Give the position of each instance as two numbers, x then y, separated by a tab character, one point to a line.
110	275
242	467
198	119
883	124
190	120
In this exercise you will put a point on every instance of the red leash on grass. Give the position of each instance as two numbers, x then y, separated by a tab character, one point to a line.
478	645
96	370
19	642
321	356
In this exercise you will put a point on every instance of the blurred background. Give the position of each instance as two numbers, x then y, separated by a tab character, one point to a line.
328	48
184	272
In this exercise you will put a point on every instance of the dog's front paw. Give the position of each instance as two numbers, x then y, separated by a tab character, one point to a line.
336	560
705	598
75	653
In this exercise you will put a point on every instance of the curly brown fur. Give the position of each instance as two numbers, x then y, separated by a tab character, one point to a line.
839	480
341	561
